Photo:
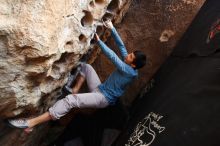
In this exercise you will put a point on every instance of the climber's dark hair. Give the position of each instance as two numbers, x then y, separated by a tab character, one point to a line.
140	59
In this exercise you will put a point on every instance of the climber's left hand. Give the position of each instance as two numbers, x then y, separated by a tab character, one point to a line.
96	37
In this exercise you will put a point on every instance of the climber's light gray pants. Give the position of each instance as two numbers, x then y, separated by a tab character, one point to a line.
94	99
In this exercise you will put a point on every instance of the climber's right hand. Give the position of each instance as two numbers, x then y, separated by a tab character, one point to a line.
96	37
108	24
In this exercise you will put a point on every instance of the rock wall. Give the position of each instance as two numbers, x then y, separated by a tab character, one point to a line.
40	42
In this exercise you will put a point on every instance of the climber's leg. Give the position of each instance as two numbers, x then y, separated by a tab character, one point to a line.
79	81
40	119
85	100
88	72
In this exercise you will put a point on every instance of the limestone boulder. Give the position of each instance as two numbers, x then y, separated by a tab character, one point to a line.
40	41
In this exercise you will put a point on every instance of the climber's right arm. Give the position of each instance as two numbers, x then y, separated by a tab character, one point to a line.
117	39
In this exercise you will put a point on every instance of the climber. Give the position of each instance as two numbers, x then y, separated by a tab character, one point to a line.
101	94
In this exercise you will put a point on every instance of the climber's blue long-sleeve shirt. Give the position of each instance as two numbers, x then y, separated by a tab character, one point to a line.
124	74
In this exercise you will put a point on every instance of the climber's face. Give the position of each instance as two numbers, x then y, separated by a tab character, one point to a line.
129	59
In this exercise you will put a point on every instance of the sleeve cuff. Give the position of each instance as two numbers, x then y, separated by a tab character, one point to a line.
99	42
113	29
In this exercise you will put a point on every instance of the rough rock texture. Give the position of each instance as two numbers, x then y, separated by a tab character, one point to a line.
40	41
153	26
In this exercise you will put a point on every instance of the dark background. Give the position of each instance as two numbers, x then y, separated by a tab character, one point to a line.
186	90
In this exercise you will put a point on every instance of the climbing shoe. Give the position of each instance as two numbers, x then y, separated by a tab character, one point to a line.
18	123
